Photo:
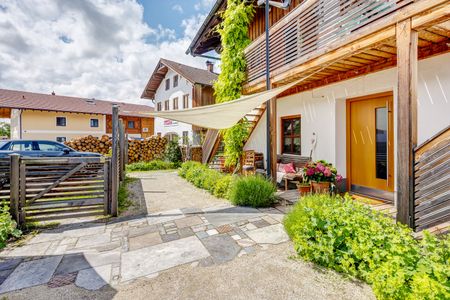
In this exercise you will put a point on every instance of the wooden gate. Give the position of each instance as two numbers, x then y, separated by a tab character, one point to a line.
432	182
49	188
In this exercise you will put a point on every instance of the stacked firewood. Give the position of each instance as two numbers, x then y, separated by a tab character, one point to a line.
149	149
91	144
145	150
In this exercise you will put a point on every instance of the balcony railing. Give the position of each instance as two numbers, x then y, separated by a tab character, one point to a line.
312	26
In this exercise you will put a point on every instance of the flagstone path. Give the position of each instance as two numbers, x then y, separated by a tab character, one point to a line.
92	255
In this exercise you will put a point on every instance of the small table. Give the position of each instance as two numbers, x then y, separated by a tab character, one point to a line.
290	177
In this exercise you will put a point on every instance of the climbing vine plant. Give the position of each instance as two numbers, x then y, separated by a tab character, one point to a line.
234	37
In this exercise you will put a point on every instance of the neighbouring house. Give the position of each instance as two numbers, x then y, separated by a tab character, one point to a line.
375	94
175	86
62	118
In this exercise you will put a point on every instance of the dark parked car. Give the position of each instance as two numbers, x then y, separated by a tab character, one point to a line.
36	148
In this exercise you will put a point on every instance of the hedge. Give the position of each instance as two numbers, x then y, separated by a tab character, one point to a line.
341	234
252	191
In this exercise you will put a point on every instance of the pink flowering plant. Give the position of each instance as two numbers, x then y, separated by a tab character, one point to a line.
321	171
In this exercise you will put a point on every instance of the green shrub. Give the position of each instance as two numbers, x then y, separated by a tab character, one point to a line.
253	191
351	238
222	187
173	152
152	165
8	227
123	196
202	177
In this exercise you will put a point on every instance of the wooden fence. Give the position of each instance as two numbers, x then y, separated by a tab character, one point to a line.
48	188
432	182
51	188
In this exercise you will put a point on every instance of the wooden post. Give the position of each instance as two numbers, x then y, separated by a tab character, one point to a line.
14	189
114	180
407	49
23	192
106	180
273	138
121	150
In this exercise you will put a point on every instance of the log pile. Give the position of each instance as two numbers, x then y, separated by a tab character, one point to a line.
146	150
149	149
195	153
91	144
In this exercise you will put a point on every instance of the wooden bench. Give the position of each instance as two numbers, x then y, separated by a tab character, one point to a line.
299	163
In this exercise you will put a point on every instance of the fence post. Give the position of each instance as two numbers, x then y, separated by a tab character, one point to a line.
115	161
23	191
14	182
122	150
106	179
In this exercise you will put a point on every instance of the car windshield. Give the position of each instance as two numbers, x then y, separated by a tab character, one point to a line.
3	143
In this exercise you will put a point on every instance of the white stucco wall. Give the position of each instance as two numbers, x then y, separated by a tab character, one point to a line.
15	123
184	87
323	110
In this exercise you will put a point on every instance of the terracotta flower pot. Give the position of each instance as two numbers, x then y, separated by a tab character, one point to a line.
321	187
304	189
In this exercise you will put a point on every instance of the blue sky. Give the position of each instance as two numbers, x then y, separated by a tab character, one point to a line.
171	13
103	49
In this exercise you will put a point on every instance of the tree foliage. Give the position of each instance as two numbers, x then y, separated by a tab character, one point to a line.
234	37
5	129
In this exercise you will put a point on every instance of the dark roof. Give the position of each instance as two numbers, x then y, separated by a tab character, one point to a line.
207	38
49	102
194	75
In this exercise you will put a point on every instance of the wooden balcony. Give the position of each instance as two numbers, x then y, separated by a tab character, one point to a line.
311	28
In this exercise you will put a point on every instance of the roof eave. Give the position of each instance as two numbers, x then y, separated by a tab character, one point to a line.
200	32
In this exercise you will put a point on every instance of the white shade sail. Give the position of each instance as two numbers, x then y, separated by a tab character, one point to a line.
222	115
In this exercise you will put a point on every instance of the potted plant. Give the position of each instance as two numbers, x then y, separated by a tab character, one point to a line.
321	174
304	188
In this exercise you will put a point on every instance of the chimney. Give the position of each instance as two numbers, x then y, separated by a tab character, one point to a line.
210	66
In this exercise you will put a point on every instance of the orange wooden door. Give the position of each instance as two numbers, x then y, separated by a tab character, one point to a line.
371	143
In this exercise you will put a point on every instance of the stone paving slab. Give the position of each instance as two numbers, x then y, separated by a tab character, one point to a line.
161	257
231	215
222	247
273	234
31	273
94	278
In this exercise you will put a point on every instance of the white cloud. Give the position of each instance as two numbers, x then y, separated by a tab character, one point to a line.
85	48
204	4
177	8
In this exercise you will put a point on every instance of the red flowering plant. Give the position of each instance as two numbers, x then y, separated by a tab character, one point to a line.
321	171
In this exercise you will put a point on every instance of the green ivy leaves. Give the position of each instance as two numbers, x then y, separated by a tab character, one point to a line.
234	38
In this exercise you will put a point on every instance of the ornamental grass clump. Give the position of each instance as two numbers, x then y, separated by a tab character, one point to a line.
254	191
341	234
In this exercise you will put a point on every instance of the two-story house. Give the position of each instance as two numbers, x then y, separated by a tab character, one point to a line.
62	118
372	90
175	86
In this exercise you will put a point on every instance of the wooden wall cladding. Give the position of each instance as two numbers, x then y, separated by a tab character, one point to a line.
432	182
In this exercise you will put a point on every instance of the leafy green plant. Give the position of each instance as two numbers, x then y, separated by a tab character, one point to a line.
222	187
339	233
255	191
173	152
5	129
202	177
152	166
8	226
234	39
123	197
